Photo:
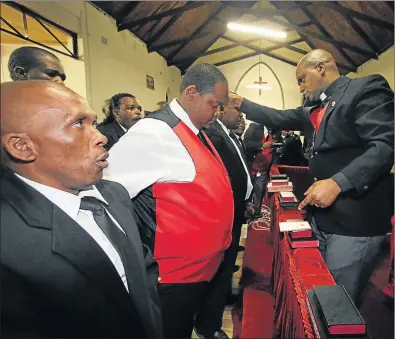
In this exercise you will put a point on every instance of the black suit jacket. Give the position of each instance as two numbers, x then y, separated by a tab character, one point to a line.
355	138
112	131
56	281
233	164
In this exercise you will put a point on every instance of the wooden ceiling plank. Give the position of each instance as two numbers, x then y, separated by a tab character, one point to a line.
128	25
127	10
155	22
362	33
217	36
288	46
168	24
197	31
267	13
9	25
323	30
234	45
344	10
339	44
174	42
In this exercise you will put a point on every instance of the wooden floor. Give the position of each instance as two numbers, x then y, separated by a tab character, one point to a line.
227	324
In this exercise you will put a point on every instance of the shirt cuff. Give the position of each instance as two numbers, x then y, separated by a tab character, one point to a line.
344	184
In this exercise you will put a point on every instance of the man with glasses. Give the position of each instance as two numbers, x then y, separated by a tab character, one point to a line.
124	111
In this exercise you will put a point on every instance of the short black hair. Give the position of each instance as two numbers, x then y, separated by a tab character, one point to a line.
26	57
204	77
114	103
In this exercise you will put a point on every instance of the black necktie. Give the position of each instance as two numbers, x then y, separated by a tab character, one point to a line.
233	136
117	238
204	141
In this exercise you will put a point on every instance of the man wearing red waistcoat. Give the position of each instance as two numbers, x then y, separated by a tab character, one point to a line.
182	193
352	124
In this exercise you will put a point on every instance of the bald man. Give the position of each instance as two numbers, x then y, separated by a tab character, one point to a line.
72	263
351	123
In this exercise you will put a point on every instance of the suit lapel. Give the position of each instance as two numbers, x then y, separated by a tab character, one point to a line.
118	129
138	288
69	240
333	103
75	245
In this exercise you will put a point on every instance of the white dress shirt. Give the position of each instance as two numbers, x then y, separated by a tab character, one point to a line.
249	183
70	204
151	152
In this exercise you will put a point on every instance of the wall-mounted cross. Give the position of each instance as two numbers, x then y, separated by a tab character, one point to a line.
260	82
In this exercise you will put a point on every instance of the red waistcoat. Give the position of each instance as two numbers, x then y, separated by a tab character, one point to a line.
194	219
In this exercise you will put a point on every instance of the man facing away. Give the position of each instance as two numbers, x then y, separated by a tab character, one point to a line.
33	63
182	192
72	263
352	124
123	112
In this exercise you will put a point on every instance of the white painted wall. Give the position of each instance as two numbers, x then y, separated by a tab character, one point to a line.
119	66
383	66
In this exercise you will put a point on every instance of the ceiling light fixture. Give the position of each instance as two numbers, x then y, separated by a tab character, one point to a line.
256	30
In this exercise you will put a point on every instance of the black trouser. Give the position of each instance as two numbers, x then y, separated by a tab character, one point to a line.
260	181
209	318
180	303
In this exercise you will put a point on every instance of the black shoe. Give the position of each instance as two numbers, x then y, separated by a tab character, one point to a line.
217	335
236	268
241	248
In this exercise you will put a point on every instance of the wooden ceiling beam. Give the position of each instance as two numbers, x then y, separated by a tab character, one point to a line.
128	25
234	45
155	22
339	44
323	30
197	31
174	42
357	15
288	46
131	5
266	12
357	28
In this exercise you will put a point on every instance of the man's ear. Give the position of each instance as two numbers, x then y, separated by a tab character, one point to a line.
19	146
191	92
20	73
321	68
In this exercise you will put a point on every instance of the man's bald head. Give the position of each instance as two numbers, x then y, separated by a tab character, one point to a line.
27	102
317	56
48	134
315	71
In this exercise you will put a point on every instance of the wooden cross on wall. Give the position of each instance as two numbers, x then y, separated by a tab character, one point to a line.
260	82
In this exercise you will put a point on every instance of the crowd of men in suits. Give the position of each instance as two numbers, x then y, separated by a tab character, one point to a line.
149	251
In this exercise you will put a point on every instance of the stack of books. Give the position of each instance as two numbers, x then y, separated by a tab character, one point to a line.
333	313
299	233
288	199
279	183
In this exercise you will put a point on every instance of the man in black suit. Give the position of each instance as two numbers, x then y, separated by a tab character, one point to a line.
124	111
72	263
209	319
352	123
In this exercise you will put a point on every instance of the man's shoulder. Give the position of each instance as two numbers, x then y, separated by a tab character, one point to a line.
368	81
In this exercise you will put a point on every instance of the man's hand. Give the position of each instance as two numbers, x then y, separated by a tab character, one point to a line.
267	144
321	194
235	100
